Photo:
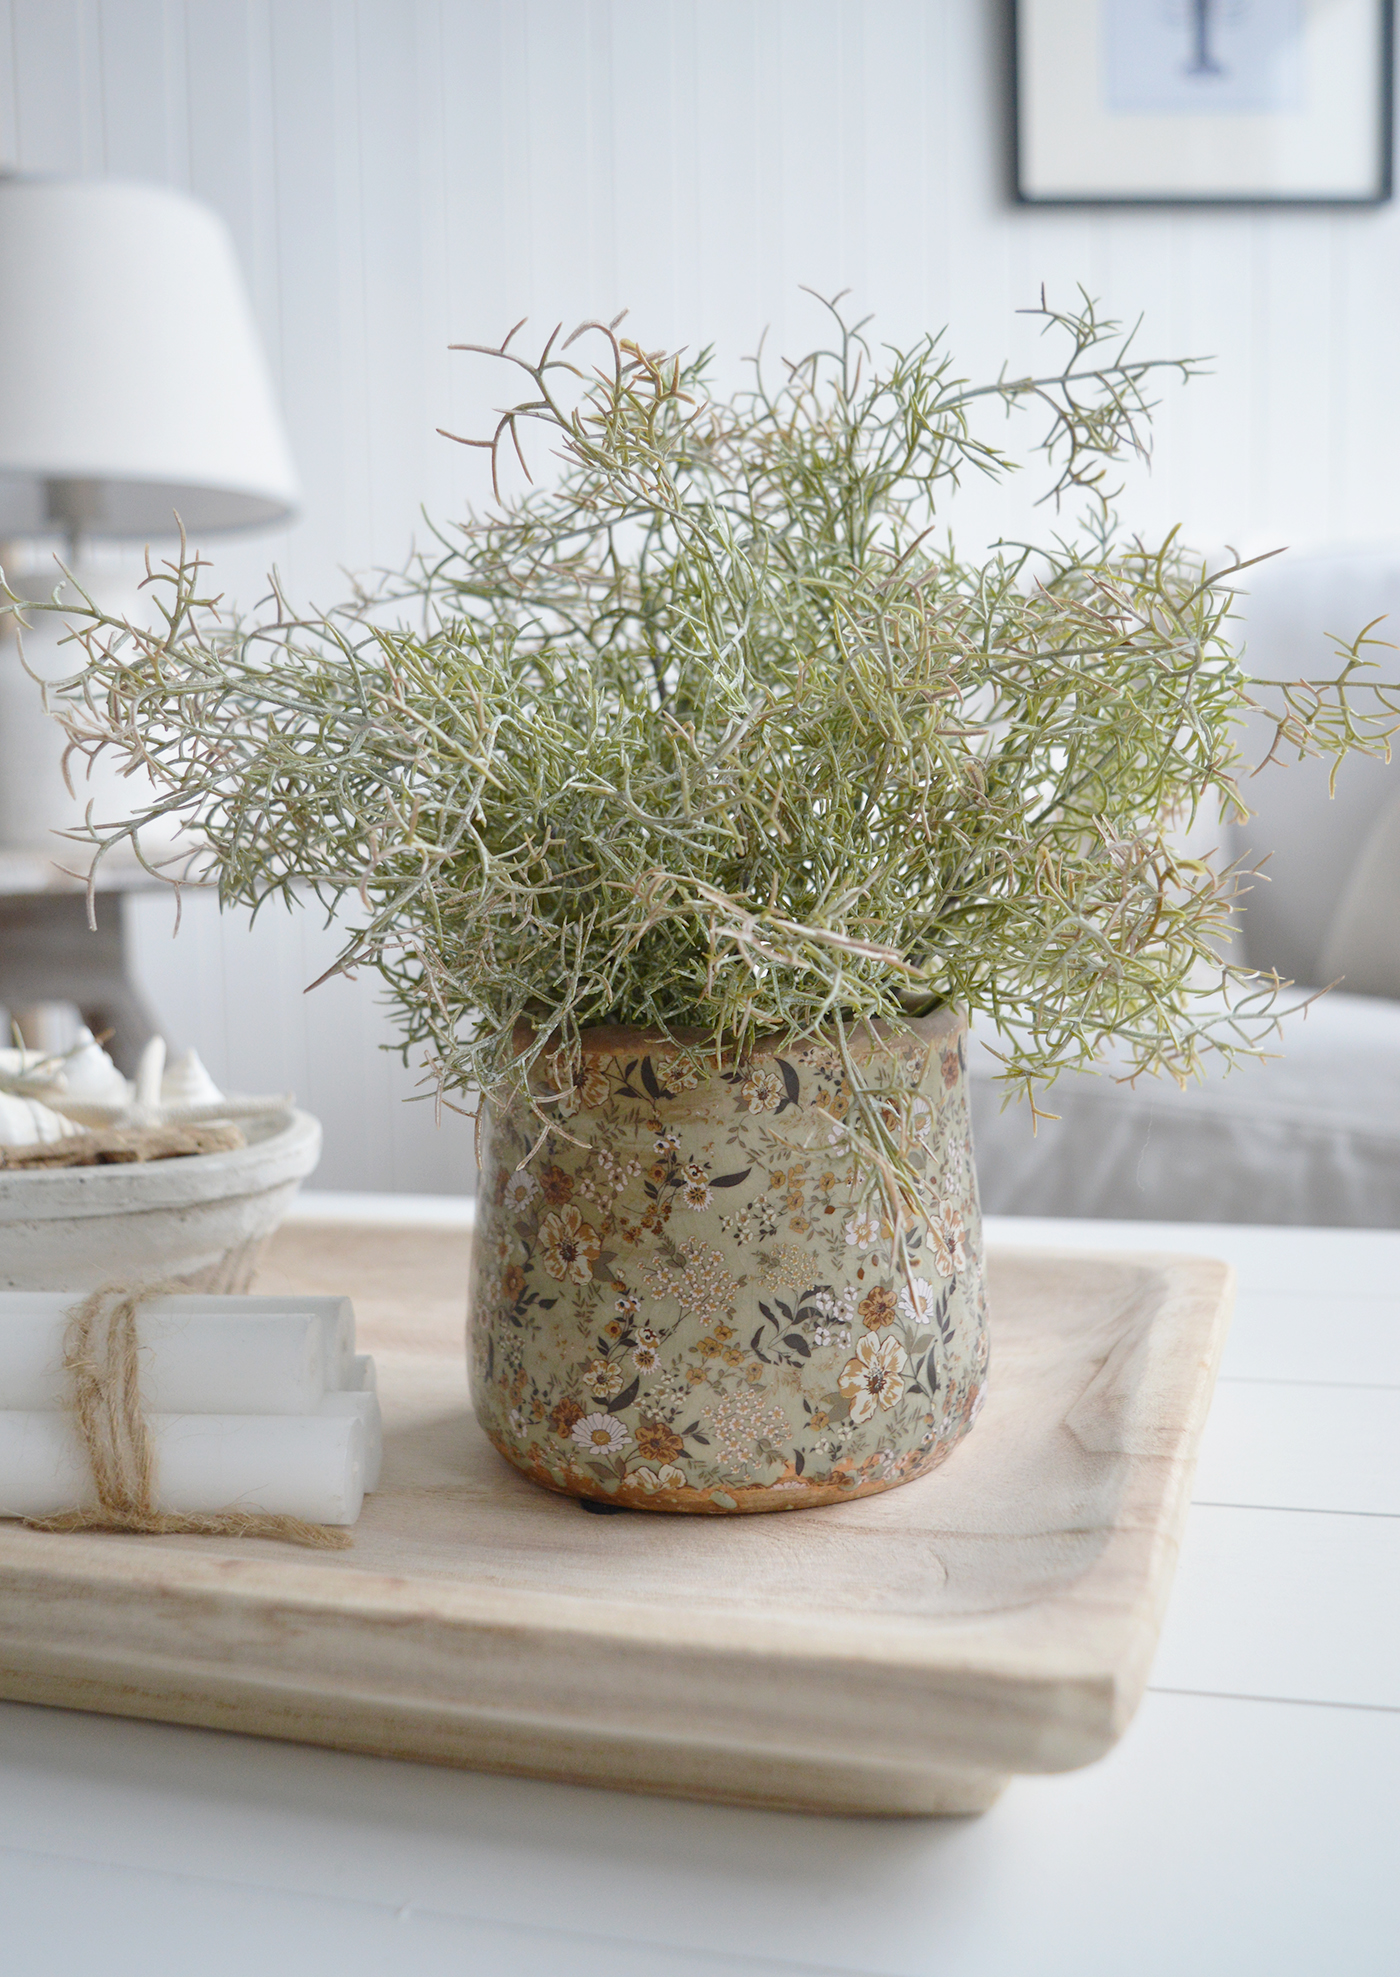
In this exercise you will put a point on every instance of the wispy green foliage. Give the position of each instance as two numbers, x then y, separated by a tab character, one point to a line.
714	733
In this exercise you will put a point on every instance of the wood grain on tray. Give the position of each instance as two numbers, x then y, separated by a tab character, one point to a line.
904	1653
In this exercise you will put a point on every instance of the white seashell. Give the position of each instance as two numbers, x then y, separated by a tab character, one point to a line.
57	1098
25	1122
84	1085
186	1082
19	1063
88	1073
149	1072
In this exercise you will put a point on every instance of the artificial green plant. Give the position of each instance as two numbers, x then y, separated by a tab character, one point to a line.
716	734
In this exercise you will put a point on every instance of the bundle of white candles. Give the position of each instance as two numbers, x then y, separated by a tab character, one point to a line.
252	1403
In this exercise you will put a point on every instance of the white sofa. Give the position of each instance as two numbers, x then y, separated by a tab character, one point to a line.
1312	1137
1309	1137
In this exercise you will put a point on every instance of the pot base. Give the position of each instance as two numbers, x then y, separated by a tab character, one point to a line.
790	1494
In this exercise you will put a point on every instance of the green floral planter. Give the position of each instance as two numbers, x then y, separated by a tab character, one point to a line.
679	1304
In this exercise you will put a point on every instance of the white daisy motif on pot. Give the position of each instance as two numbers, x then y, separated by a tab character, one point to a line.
568	1246
917	1302
645	1352
697	1192
521	1189
600	1434
874	1378
862	1230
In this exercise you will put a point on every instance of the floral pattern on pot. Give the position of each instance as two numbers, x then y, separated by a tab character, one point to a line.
685	1300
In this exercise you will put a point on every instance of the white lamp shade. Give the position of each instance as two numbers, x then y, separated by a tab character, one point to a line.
132	381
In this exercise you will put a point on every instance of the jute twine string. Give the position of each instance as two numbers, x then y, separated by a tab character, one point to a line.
102	1359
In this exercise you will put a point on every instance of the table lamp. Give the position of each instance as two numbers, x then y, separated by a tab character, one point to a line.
132	386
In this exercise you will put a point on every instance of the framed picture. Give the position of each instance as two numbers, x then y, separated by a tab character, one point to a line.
1203	102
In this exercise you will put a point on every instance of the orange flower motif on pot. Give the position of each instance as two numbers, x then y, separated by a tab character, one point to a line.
878	1307
563	1416
656	1442
556	1186
874	1378
568	1246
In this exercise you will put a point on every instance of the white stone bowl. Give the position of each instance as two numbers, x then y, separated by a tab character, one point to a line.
199	1221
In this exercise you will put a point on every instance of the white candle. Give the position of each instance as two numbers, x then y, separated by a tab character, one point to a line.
364	1407
224	1355
290	1465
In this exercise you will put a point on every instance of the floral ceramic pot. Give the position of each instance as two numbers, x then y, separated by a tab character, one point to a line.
680	1303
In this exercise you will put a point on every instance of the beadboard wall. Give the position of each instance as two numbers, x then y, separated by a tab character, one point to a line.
402	174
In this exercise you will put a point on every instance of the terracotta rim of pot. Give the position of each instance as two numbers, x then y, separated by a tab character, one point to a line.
612	1039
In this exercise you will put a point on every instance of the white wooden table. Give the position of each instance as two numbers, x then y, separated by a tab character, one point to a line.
1249	1822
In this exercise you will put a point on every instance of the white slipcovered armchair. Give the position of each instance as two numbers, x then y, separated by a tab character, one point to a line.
1309	1137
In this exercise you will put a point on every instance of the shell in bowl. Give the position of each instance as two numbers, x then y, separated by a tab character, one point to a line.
29	1122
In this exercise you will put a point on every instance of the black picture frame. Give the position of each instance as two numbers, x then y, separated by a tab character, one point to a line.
1375	96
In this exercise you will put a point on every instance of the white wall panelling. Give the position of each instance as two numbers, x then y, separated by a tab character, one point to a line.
400	174
238	993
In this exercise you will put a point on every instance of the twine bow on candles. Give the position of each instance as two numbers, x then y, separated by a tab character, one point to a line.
102	1360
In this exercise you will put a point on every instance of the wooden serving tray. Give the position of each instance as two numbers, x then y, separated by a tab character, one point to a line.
901	1654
